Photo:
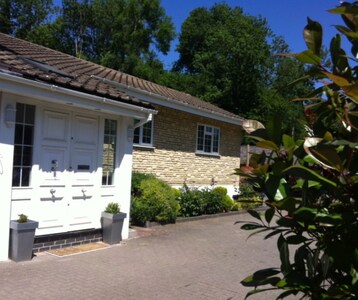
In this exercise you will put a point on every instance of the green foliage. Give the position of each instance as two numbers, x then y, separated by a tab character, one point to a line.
20	18
196	202
155	201
137	178
311	185
191	202
112	208
22	218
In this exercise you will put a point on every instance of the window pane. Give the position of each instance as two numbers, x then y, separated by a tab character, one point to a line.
19	134
216	141
20	112
27	156
28	135
23	141
136	135
16	173
147	133
109	151
200	141
30	114
25	180
208	139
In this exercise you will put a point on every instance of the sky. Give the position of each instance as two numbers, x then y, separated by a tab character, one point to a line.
286	18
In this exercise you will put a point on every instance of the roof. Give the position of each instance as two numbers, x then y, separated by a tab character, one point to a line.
40	63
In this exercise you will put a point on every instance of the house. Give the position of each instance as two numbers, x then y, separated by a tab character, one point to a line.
67	128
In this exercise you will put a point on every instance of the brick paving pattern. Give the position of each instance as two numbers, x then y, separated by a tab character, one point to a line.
203	259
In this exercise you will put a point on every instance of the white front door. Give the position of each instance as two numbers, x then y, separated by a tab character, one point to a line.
68	168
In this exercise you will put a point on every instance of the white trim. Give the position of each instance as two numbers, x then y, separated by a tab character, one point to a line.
53	93
140	128
211	153
171	103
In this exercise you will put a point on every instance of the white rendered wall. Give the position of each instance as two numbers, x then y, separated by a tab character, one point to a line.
6	158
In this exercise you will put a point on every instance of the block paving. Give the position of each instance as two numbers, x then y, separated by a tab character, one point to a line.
202	259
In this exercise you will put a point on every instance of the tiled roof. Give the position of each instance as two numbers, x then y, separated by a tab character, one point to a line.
41	63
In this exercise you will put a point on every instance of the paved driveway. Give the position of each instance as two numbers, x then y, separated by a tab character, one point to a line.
203	259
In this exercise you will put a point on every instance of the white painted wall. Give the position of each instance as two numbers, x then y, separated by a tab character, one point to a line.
27	199
6	157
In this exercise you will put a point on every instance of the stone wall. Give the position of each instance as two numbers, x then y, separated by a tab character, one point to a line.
173	156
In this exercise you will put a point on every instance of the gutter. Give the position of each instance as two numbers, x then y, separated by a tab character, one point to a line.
72	93
126	87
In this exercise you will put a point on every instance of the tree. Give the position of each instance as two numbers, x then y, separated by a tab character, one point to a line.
227	50
19	18
311	185
127	31
231	59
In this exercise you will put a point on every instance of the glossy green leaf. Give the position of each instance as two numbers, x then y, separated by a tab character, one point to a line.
254	214
313	36
352	91
296	239
269	213
308	57
261	277
268	145
344	10
251	226
338	80
327	155
284	254
288	141
288	204
309	174
347	32
305	214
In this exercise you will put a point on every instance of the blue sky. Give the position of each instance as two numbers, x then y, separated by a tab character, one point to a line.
285	17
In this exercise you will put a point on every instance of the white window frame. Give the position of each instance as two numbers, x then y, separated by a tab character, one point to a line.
140	129
108	176
210	133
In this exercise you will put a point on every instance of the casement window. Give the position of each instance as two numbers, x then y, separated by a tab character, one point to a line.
109	151
143	135
208	139
23	144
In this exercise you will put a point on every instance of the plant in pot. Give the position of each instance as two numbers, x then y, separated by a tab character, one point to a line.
112	223
22	233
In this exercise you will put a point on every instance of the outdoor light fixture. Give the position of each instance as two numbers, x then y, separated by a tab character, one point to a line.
10	115
130	133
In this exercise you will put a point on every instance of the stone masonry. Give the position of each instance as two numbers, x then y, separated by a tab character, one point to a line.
173	156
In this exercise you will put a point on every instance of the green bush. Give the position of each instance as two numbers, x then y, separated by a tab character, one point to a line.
195	202
191	202
155	201
248	198
137	178
112	208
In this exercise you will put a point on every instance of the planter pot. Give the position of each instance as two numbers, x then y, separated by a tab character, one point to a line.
112	227
22	240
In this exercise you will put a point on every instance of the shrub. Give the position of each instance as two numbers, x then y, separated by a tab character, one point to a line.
112	208
311	185
137	178
191	202
155	201
248	198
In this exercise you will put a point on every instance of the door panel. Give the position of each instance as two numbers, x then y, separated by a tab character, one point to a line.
68	165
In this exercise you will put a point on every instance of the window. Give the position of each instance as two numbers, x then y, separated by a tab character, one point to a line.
23	144
208	139
109	151
143	135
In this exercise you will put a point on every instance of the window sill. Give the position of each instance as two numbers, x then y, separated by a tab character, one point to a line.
144	147
214	155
